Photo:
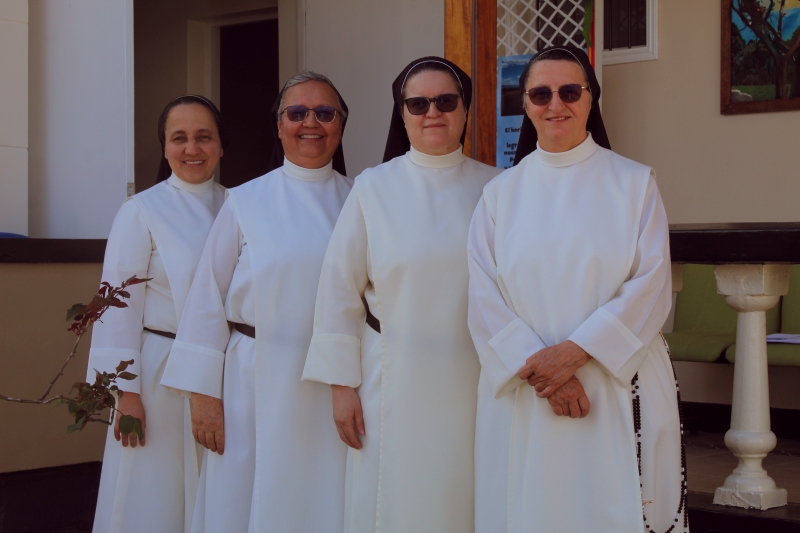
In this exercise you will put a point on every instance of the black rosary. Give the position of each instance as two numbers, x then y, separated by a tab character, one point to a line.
637	428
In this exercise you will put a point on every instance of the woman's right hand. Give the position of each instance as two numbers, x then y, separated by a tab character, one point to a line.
208	422
130	403
347	415
570	399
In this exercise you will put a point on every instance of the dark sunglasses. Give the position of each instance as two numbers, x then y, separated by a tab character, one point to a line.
419	105
298	113
568	93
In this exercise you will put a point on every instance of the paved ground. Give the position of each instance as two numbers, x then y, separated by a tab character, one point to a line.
709	462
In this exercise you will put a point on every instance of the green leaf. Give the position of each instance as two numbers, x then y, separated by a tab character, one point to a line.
126	375
133	280
60	401
137	425
123	365
126	424
72	428
73	408
75	310
588	18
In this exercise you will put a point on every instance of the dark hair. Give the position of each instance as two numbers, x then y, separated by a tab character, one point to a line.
164	170
553	55
432	66
192	99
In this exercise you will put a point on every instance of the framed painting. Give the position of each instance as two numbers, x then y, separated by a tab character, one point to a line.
760	56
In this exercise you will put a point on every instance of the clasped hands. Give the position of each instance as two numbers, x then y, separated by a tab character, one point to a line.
551	372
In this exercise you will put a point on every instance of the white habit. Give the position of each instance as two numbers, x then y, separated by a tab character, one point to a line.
283	466
401	243
159	234
573	245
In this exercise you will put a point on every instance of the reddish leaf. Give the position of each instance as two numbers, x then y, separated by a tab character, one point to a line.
123	365
76	309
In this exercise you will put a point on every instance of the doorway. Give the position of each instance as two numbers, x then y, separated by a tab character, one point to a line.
249	78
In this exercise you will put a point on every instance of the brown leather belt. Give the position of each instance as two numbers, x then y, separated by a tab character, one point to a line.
373	322
166	334
244	329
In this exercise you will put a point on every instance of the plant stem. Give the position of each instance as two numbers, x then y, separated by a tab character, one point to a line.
61	372
38	402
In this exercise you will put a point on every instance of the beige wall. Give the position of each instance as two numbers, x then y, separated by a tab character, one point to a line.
665	113
14	116
362	45
161	58
33	345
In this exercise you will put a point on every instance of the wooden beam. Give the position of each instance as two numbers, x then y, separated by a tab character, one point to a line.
470	41
484	77
458	45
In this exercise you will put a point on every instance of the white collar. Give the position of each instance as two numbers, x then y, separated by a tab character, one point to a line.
570	157
452	159
178	183
307	174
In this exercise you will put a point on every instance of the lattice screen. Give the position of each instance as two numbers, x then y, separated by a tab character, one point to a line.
526	26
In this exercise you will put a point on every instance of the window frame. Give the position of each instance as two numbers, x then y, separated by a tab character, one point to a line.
648	52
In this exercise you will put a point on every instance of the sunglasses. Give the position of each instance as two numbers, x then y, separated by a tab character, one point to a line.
568	93
298	113
419	105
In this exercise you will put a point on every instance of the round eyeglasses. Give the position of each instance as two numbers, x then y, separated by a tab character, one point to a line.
419	105
569	94
298	113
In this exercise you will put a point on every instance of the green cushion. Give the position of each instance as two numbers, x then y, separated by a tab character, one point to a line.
705	326
790	306
777	354
698	346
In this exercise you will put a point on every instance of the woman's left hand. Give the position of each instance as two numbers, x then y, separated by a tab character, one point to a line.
547	370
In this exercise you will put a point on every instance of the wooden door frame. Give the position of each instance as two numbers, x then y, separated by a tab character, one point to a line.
470	41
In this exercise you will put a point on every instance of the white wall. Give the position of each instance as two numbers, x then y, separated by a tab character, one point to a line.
362	45
80	115
14	116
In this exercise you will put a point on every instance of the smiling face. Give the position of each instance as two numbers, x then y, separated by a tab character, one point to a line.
434	132
310	143
560	126
192	144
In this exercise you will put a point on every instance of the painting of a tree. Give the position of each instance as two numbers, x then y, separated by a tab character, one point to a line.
760	55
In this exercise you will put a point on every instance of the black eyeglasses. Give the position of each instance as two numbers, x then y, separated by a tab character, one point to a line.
569	94
419	105
298	113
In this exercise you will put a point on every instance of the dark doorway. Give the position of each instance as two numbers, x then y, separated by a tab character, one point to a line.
248	87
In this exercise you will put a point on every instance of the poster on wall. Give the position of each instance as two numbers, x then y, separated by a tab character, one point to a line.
509	107
760	56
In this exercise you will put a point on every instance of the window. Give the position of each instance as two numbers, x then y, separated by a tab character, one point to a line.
630	31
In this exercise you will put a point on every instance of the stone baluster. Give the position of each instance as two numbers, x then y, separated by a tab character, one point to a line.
751	289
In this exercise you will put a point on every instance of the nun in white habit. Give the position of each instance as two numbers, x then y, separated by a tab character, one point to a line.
279	464
578	423
159	234
404	372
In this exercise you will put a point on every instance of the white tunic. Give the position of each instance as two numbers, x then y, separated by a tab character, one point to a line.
573	245
400	242
283	466
159	234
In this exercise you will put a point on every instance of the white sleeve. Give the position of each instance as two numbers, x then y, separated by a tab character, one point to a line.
119	336
197	359
503	341
334	356
619	333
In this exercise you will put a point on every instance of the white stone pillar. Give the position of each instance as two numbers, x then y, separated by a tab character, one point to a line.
14	116
751	290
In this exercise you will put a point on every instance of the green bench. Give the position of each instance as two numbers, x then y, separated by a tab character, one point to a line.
705	327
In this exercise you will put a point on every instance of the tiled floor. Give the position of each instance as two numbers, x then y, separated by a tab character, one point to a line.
709	462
